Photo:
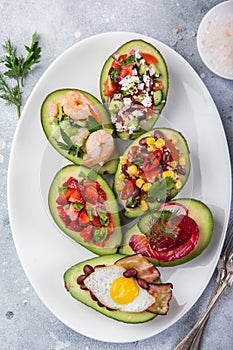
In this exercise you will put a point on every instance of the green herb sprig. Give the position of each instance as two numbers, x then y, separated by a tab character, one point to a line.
17	68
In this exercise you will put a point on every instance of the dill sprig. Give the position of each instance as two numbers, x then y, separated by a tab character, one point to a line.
17	68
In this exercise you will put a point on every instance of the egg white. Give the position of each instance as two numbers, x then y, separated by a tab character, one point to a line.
99	283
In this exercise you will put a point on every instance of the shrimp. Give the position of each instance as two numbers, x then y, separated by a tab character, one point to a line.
78	107
99	147
52	109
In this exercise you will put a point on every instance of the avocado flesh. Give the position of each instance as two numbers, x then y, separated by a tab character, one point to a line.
111	206
135	212
198	211
161	66
52	129
70	279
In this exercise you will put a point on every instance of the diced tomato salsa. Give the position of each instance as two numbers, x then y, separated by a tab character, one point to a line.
81	206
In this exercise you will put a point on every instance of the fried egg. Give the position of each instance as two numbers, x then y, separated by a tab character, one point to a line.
115	291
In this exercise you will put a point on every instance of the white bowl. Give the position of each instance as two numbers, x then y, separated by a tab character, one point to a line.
215	39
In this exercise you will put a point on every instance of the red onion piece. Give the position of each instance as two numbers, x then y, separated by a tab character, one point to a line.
116	56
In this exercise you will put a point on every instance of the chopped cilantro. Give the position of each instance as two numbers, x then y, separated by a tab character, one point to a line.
103	215
89	212
62	190
129	59
114	73
160	189
78	206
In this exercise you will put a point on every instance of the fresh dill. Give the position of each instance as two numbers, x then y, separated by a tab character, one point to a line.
17	67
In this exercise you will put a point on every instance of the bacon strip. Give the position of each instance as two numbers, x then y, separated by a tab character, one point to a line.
145	269
162	294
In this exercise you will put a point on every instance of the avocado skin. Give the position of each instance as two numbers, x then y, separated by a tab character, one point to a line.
57	95
63	175
135	212
70	279
145	47
203	217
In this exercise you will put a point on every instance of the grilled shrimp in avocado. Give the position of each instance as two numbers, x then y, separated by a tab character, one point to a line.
134	86
79	128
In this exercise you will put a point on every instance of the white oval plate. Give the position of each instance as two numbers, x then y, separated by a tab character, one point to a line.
215	14
46	254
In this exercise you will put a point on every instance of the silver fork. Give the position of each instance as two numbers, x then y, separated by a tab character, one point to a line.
224	279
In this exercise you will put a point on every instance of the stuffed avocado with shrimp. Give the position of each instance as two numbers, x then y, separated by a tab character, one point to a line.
134	87
84	207
152	170
79	128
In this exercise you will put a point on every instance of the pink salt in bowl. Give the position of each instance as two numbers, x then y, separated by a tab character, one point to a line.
215	39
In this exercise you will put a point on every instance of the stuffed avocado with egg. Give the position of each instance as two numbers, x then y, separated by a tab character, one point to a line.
127	289
134	87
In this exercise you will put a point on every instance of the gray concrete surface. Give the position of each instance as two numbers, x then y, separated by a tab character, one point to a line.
25	323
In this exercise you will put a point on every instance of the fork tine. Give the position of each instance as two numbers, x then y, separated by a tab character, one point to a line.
221	266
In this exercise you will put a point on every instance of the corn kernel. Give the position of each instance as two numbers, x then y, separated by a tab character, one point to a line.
178	184
150	140
182	160
173	139
123	160
173	164
146	186
152	148
132	170
143	205
121	176
159	143
119	186
168	173
139	182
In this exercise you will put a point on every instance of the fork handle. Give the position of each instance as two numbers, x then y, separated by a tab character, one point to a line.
189	340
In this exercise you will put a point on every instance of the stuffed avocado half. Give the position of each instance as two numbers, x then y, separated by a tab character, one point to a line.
134	87
152	170
84	207
79	128
127	289
175	233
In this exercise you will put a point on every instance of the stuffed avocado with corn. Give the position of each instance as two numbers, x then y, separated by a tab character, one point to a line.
152	170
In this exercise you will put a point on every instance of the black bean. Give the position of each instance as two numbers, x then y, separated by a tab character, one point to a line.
100	266
83	287
100	304
93	297
88	269
136	192
81	278
166	157
124	169
181	170
158	134
142	142
130	273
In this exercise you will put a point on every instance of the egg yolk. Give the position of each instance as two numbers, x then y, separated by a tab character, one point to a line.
124	290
